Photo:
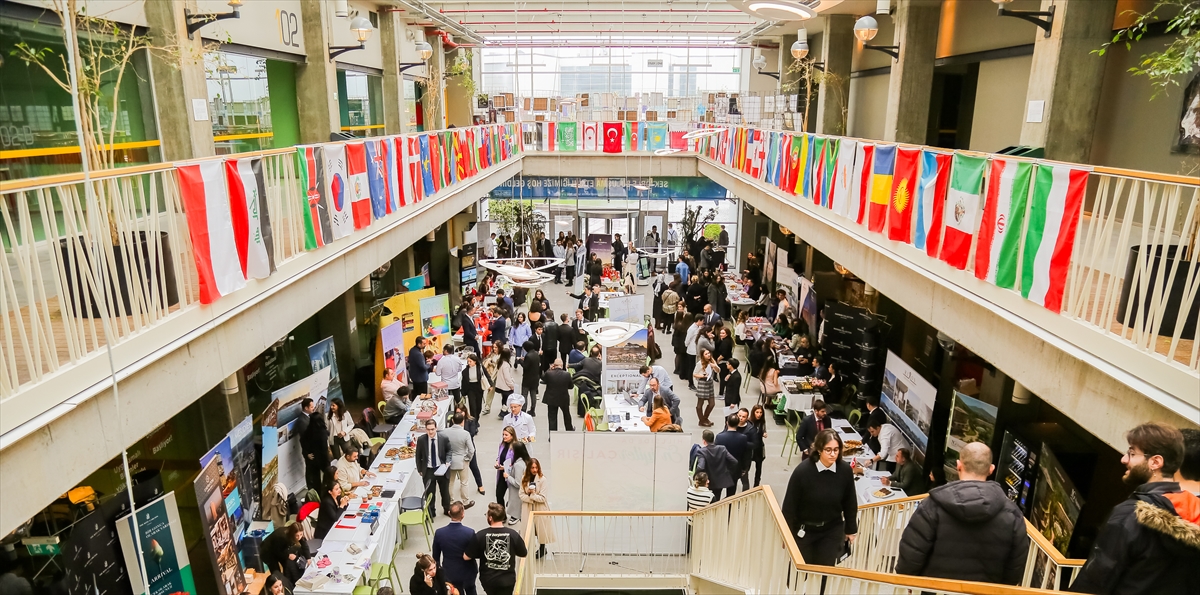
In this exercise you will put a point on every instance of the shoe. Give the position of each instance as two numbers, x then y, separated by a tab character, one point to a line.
481	490
486	412
469	504
513	520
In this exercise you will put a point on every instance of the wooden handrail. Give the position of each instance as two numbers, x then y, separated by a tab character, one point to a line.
1049	548
892	502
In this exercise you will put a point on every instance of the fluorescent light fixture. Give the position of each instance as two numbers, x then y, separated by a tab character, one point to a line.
611	334
641	187
663	152
772	10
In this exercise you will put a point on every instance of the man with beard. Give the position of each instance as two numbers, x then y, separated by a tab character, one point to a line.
1151	542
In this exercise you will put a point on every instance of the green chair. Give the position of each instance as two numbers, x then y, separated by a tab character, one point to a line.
378	441
854	417
412	518
792	423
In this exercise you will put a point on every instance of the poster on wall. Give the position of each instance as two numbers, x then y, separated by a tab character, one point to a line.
435	315
425	274
1056	502
971	420
282	459
392	339
241	439
414	283
807	298
220	536
322	355
600	244
628	355
622	382
769	263
221	456
627	308
785	275
163	553
908	400
93	566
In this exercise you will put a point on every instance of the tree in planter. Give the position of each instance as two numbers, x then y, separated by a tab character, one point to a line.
517	218
692	226
811	78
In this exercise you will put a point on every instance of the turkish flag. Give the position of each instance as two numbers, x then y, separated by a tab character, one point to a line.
613	137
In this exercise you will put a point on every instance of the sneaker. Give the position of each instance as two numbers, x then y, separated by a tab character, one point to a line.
513	520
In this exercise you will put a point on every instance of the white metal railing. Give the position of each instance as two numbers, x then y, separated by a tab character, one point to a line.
98	260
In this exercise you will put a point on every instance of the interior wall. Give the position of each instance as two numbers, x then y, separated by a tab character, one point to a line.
972	26
999	105
1133	130
761	83
867	106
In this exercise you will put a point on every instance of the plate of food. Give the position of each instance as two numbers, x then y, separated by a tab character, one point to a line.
407	452
385	467
851	445
375	491
392	453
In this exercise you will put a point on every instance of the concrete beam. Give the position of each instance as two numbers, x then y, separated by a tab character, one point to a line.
179	81
1104	400
837	48
917	23
316	79
606	165
84	436
1066	77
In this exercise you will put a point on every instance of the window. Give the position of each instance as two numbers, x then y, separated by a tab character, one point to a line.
239	102
360	98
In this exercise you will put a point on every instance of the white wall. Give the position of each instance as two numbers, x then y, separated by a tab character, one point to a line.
867	106
999	103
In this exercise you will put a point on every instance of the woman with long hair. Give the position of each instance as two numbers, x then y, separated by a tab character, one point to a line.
474	380
520	333
471	425
756	355
504	459
340	424
660	415
739	328
754	426
769	376
491	365
535	312
506	378
276	585
427	578
682	321
724	348
533	498
704	376
513	474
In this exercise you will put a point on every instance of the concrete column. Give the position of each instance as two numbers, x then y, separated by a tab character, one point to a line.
837	49
907	114
1067	77
789	77
178	84
316	79
434	99
390	30
225	407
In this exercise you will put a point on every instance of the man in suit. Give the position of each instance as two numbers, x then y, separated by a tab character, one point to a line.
654	387
333	502
507	302
875	415
733	383
811	426
429	460
531	375
577	355
498	329
594	304
470	334
549	343
314	444
721	466
558	396
566	336
462	450
577	327
738	445
618	254
590	366
711	318
418	367
449	545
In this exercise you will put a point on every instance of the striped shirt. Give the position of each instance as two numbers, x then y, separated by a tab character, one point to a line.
698	497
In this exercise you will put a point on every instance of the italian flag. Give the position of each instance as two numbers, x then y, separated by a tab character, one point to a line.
1003	221
247	190
1053	221
962	204
212	221
358	185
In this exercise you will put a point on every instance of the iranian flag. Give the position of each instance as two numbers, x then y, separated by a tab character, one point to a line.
317	226
1002	223
1053	221
358	184
612	137
843	177
590	133
248	192
860	188
931	198
962	205
212	224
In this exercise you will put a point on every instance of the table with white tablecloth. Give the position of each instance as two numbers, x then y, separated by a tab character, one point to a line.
870	488
344	572
796	397
620	406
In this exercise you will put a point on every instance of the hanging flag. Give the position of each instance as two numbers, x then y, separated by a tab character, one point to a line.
843	177
828	168
377	176
656	136
426	166
904	187
678	142
337	188
589	136
761	155
1058	192
931	197
962	205
212	225
358	185
881	187
317	228
394	157
860	189
415	187
461	163
612	137
779	169
568	136
802	178
549	134
1002	223
247	191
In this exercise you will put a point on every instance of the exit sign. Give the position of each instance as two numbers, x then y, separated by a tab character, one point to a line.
654	63
42	546
737	69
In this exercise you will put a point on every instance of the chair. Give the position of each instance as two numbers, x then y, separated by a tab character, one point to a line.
412	518
792	423
854	417
377	441
380	405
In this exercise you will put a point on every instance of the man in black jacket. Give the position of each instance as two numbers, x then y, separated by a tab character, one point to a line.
314	444
738	445
733	384
1151	542
967	529
558	396
811	426
594	304
821	504
618	254
470	334
430	460
566	336
418	368
721	466
549	343
531	375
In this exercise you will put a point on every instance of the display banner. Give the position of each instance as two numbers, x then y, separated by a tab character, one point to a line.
392	339
629	355
222	456
435	315
163	553
90	556
321	355
414	283
853	341
245	459
908	400
219	533
282	459
769	264
971	420
627	308
622	381
535	187
1056	502
599	244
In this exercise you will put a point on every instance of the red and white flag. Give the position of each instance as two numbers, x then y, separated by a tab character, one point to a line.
860	183
337	188
590	133
211	224
247	190
414	188
358	184
613	137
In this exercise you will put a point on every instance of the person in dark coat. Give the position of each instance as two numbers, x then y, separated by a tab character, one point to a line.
429	460
498	329
591	366
449	545
1151	541
418	368
967	529
812	425
466	321
558	396
595	271
738	445
722	467
473	378
618	254
314	444
566	336
733	383
821	504
594	304
284	551
907	475
333	503
549	343
531	375
427	578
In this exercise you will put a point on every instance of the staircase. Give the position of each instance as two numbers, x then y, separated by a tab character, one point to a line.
738	546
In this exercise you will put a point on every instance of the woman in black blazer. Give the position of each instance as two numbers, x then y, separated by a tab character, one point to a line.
333	502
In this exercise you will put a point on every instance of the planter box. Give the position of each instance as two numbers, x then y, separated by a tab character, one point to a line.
1172	317
118	288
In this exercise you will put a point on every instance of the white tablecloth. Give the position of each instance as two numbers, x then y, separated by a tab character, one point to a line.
347	571
799	400
869	485
619	405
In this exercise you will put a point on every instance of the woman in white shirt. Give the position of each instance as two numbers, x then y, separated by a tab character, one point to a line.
506	379
340	424
519	334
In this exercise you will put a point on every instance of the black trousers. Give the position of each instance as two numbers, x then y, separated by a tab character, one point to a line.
570	275
313	470
501	488
730	492
552	411
501	589
822	545
420	388
474	344
530	393
435	484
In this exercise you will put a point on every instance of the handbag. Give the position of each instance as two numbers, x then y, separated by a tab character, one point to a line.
845	555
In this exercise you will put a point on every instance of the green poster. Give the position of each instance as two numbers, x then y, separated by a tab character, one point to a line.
163	554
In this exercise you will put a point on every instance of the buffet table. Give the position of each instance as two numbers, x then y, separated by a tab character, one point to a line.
798	393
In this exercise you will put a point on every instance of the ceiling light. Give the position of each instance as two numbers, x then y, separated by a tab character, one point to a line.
362	29
779	10
866	28
759	62
800	46
424	49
